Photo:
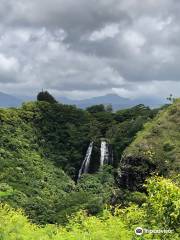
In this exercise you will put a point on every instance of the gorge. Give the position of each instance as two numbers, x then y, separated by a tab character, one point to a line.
46	146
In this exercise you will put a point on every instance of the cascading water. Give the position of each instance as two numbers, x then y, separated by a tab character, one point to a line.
104	153
106	157
85	165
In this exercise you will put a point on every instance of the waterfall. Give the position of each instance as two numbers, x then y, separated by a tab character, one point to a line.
106	156
85	165
104	153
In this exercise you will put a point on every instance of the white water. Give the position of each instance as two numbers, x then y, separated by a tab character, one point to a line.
85	165
104	153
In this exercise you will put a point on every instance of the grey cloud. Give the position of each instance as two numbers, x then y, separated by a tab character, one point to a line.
53	45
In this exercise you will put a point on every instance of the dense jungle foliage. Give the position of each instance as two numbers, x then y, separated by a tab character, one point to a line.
42	146
159	212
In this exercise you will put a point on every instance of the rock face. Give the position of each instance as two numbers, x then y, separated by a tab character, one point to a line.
134	171
155	150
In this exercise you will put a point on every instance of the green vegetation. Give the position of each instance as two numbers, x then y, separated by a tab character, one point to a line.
160	211
36	182
120	127
155	149
46	96
42	146
38	143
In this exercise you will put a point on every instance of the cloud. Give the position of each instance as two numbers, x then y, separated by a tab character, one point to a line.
8	64
86	48
151	89
109	31
134	41
9	67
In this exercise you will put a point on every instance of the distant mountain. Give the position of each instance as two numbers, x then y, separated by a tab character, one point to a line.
116	101
7	100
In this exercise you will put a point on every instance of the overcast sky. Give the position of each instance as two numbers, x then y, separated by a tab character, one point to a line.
86	48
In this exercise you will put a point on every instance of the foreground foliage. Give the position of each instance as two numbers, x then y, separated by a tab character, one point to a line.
160	211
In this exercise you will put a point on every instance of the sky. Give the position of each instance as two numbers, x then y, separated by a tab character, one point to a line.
86	48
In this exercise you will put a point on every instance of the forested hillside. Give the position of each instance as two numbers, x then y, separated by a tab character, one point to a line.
42	147
156	149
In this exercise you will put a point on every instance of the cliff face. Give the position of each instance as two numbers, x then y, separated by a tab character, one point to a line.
156	149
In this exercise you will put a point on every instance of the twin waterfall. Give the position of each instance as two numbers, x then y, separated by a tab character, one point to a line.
105	158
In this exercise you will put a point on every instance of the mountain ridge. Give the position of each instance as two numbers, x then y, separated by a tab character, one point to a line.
7	100
117	102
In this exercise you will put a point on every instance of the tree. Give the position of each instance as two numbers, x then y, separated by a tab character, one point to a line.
96	108
46	96
109	108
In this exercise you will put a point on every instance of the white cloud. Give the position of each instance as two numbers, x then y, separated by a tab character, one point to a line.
154	88
162	54
8	64
47	62
109	31
134	40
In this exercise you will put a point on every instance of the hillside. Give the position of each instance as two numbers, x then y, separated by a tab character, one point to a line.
42	146
34	182
156	149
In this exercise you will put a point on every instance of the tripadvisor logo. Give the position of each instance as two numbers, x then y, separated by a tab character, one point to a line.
139	231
